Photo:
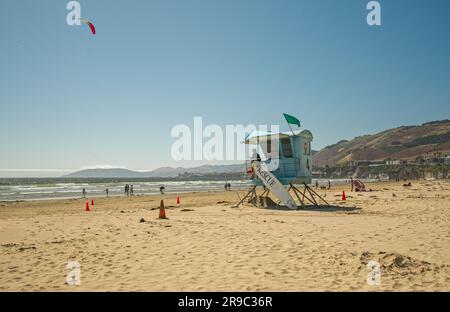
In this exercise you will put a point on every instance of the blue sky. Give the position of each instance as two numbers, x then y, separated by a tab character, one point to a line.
69	99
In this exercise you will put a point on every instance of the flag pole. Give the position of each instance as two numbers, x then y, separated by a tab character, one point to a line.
291	129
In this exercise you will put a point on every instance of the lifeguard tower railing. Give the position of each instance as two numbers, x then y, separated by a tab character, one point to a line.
288	169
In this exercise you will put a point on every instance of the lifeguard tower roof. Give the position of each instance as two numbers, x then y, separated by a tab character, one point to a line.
258	136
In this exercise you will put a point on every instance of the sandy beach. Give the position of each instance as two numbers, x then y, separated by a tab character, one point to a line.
206	245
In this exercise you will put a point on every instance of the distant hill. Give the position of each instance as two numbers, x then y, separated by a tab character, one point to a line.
106	173
402	143
163	172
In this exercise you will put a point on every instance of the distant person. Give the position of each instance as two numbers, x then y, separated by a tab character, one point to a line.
351	182
127	190
226	186
229	186
161	189
84	193
329	185
255	156
317	184
131	190
107	192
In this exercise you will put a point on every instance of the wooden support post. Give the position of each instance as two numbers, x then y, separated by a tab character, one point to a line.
320	197
251	192
254	198
309	194
266	192
296	191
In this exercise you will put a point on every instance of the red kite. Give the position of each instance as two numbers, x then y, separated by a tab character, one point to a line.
91	26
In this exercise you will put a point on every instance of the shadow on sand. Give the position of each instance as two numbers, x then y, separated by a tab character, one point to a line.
268	203
330	208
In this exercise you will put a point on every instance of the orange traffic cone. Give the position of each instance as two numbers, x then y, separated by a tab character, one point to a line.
92	202
178	200
343	195
162	210
87	206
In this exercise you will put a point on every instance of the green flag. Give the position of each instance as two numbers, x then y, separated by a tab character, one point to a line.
292	120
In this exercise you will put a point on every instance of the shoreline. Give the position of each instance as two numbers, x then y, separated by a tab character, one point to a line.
237	185
88	198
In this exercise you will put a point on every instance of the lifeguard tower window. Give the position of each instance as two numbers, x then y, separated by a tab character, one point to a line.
287	148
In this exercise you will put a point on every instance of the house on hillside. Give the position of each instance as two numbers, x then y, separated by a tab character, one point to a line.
436	160
392	162
355	163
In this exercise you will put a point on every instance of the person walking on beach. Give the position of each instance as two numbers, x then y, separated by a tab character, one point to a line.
226	186
329	185
161	189
84	193
317	184
107	192
127	190
229	186
131	190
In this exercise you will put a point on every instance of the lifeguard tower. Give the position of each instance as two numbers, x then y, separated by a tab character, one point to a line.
286	161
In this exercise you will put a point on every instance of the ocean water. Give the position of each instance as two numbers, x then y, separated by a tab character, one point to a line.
58	188
42	189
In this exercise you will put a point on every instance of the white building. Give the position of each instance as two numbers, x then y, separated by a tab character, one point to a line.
393	162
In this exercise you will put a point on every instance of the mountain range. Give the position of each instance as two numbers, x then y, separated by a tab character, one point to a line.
402	143
163	172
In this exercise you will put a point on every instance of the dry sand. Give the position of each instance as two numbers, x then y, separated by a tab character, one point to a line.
206	245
